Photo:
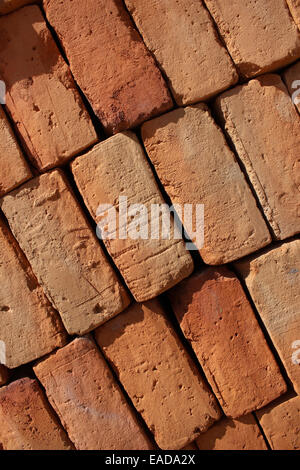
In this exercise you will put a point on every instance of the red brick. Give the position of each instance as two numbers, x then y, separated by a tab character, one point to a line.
7	6
41	95
26	420
109	61
88	400
217	319
294	6
4	375
158	375
292	81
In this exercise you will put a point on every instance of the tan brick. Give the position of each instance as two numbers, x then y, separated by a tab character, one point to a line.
292	81
88	400
118	167
195	165
109	61
185	44
64	252
273	280
294	6
281	424
217	319
265	129
259	36
13	167
158	375
7	6
41	95
29	327
26	420
4	375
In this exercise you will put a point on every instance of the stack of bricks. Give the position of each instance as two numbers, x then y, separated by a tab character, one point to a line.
139	342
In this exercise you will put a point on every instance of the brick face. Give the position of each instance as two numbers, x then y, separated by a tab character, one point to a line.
64	252
7	6
158	375
294	6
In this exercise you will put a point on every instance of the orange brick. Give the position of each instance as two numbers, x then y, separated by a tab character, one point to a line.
4	375
41	95
121	82
292	81
294	6
158	375
88	400
64	252
7	6
217	319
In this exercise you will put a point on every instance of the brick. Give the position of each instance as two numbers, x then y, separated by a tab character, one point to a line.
64	252
41	95
275	180
280	423
27	421
217	319
272	279
195	165
194	38
118	167
29	327
292	81
88	401
121	82
13	167
158	375
4	375
233	434
191	446
294	6
7	6
259	37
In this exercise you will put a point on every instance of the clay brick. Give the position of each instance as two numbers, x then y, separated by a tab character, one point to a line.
217	319
118	167
259	36
4	375
195	165
88	400
280	423
7	6
64	252
27	421
158	375
292	80
13	168
273	280
29	327
194	38
41	94
233	434
269	152
121	82
294	6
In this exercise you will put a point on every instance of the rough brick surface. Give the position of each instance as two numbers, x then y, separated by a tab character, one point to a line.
292	81
281	424
195	165
259	36
159	377
118	167
27	421
294	6
88	400
41	95
273	281
64	252
233	434
13	168
121	82
7	6
185	43
217	319
267	139
4	374
29	327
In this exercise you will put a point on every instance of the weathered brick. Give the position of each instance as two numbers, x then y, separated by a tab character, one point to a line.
26	420
273	280
233	434
259	36
158	375
88	400
118	167
13	167
199	51
269	152
29	327
41	94
121	82
294	6
195	165
217	319
7	6
281	424
4	375
292	81
64	252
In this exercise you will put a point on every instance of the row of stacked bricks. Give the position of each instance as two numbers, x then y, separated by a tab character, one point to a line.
140	343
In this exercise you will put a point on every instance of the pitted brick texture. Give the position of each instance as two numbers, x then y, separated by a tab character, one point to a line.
294	6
